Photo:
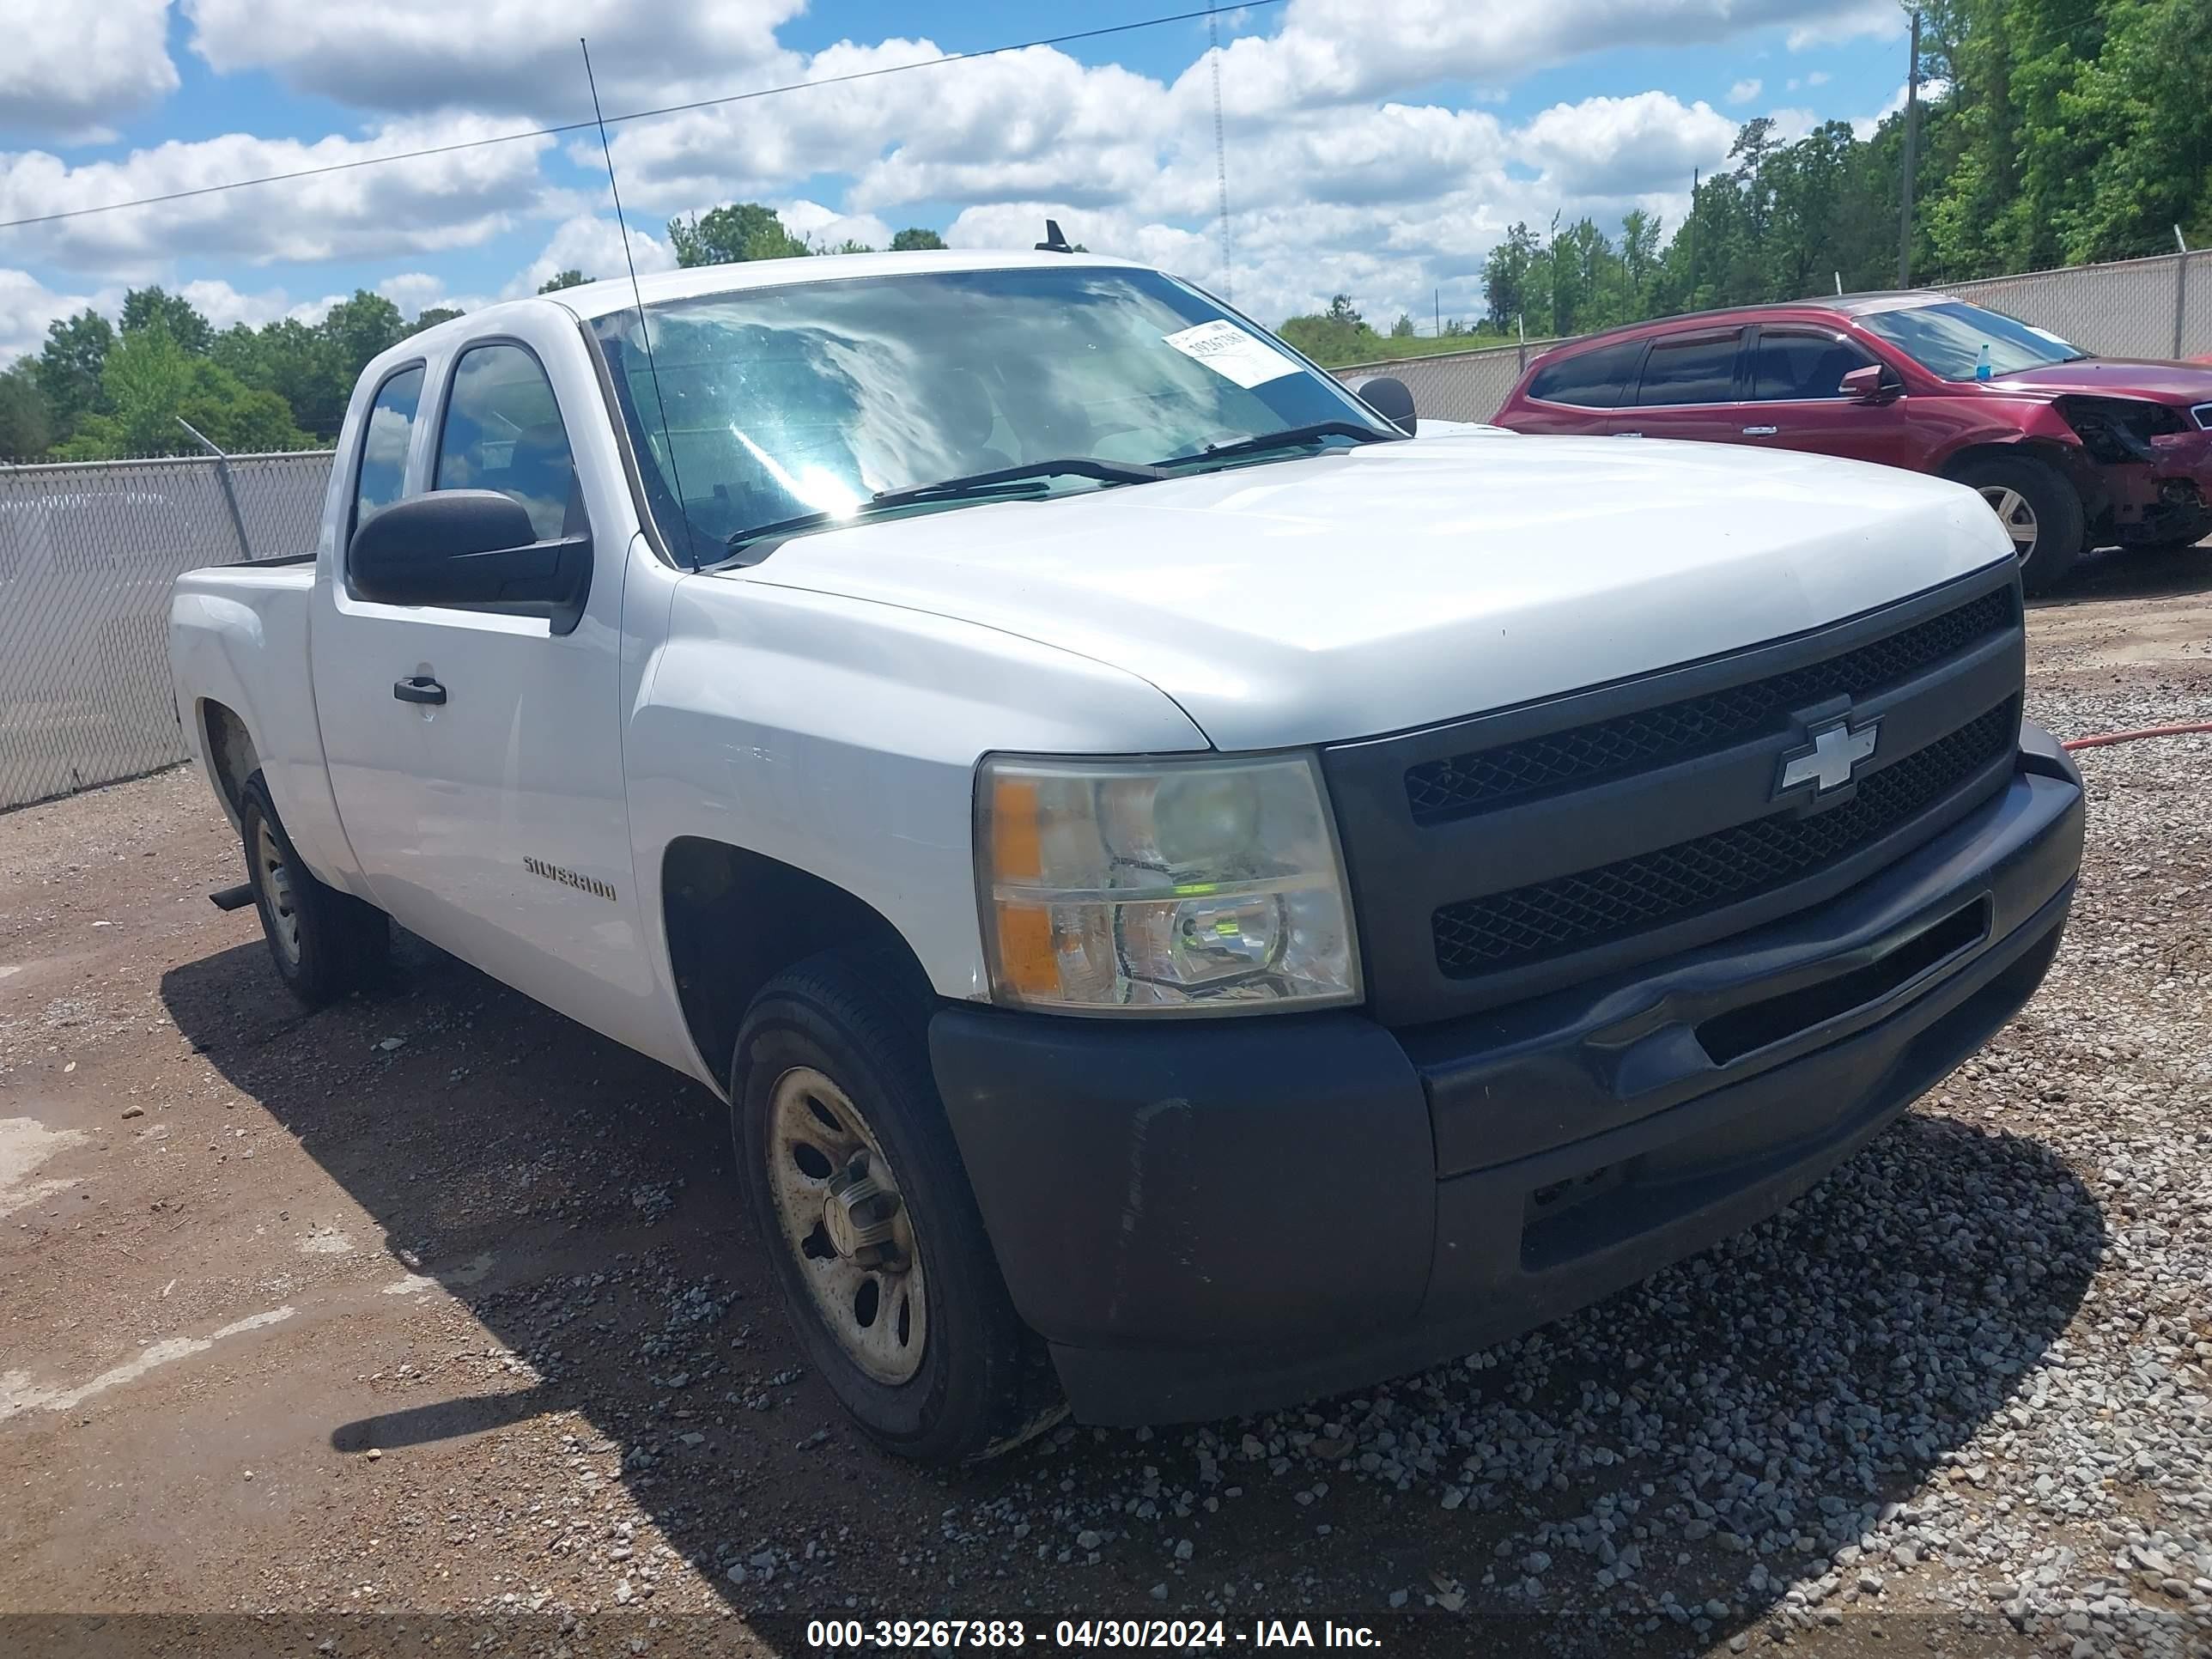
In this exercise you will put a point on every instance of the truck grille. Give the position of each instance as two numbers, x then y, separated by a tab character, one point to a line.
1592	906
1450	787
1513	853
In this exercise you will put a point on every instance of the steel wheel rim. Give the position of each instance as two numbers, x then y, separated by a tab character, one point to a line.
276	875
2015	514
841	1215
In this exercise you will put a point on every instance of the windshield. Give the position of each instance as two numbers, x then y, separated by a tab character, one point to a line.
815	398
1947	340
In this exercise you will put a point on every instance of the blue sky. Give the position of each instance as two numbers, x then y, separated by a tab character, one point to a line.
1374	150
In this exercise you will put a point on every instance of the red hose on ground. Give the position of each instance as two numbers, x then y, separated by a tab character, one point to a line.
2103	738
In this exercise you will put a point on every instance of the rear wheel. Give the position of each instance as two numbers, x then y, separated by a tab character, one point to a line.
324	943
2038	509
856	1187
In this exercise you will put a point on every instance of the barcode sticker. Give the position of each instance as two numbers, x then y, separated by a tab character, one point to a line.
1231	352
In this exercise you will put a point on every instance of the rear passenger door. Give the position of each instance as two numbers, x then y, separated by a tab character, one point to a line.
1688	388
1798	401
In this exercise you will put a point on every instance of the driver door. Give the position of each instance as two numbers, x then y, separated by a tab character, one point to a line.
476	754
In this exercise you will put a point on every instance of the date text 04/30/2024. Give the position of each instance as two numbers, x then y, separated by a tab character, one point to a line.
1174	1634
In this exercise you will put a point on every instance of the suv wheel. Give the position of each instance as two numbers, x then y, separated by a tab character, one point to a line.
2039	511
856	1187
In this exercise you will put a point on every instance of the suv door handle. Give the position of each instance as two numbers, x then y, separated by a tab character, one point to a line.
418	687
1628	435
1760	431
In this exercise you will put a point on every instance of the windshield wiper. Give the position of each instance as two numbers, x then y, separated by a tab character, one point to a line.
1066	466
1289	438
978	486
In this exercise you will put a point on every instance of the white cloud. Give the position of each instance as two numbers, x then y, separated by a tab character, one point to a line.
223	305
592	244
1744	91
26	306
1611	147
517	57
70	68
1347	51
825	227
1850	20
437	202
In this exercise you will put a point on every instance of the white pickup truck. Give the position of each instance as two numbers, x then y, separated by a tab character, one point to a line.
1197	895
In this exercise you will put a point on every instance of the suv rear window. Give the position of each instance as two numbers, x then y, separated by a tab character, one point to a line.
1588	380
1695	370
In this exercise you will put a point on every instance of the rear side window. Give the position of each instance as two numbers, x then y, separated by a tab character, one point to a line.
384	439
1799	366
1588	380
503	432
1699	369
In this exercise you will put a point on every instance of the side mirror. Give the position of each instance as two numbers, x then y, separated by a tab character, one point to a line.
469	547
1872	384
1387	397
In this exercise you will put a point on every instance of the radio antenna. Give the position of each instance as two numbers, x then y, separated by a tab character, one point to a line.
637	298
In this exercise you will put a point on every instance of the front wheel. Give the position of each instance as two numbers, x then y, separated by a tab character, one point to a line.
2038	509
856	1187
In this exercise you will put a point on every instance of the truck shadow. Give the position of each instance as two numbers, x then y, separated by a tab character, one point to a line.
577	1199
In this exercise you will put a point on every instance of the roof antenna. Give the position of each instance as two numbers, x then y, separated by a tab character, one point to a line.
1053	241
637	298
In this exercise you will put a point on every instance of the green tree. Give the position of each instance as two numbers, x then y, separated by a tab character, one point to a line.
1505	278
149	380
732	234
431	316
1403	328
70	365
1336	336
916	240
361	327
157	307
299	362
560	279
25	432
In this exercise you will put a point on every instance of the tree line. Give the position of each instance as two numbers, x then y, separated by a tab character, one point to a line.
2060	132
98	390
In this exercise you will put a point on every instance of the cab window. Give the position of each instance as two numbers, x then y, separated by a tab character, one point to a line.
503	432
384	439
1800	366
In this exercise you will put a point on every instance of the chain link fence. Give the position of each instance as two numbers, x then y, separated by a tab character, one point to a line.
2155	308
86	555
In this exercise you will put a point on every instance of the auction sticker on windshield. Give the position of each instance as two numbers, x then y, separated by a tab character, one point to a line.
1234	353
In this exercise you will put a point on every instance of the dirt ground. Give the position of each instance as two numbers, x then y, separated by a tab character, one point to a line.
429	1322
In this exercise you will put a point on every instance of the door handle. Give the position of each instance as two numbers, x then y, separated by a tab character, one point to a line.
1760	431
1628	435
418	687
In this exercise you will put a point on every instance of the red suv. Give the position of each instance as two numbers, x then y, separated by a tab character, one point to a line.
2072	451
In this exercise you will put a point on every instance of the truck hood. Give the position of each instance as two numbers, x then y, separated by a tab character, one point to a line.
2117	377
1350	594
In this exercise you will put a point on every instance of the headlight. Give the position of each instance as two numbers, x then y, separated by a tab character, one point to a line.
1202	886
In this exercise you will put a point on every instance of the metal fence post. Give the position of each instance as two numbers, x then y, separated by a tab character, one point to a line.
2180	295
222	477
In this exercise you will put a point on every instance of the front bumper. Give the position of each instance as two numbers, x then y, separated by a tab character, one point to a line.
1204	1218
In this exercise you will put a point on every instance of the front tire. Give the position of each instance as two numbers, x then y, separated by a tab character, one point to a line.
324	942
857	1189
2040	511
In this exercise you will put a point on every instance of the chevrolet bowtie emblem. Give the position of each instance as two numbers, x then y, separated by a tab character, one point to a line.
1828	761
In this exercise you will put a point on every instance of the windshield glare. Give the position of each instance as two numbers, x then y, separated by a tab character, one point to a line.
815	396
1947	340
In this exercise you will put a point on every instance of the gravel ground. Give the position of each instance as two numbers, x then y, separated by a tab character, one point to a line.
427	1321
